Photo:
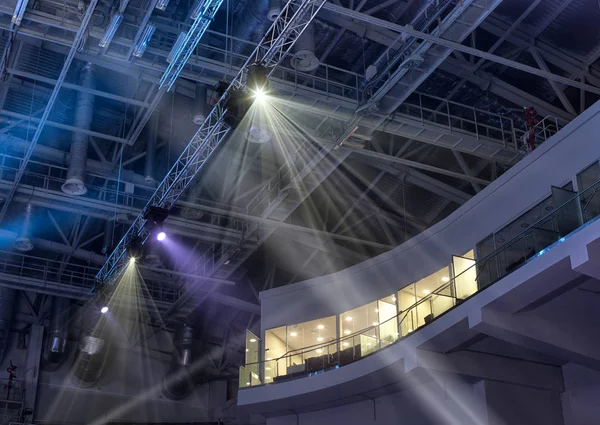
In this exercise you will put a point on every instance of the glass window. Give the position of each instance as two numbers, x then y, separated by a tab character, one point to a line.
465	275
355	321
275	349
388	324
407	299
590	201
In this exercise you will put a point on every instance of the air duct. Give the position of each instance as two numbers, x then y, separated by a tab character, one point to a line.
109	226
200	106
250	25
58	330
305	59
23	241
75	183
7	299
150	163
92	349
178	383
274	10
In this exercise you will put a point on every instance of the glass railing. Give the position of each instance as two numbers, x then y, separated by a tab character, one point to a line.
532	242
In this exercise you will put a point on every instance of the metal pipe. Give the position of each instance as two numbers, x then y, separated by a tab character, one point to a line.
58	330
305	59
75	183
92	349
150	162
250	25
274	9
23	241
201	109
7	299
178	382
109	226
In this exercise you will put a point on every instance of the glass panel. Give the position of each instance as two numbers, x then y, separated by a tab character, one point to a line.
388	327
590	204
568	218
357	320
442	300
252	357
423	288
275	348
244	377
465	276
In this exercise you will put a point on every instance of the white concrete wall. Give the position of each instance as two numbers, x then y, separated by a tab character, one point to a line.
581	398
433	403
525	184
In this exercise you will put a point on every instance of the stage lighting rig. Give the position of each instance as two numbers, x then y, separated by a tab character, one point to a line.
155	218
258	81
135	249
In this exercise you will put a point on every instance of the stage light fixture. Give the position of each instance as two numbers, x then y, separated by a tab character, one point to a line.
155	218
135	249
161	236
258	80
115	21
104	310
132	260
260	95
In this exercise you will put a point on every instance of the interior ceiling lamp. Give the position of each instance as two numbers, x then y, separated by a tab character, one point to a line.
111	29
258	82
198	9
162	4
155	218
19	12
177	47
144	40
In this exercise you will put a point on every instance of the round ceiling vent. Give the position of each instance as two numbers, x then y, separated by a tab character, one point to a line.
305	61
198	119
74	187
23	244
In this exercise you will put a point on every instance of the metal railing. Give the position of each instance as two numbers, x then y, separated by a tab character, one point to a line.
532	242
543	130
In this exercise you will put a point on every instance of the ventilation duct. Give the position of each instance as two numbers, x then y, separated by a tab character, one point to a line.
75	183
107	240
274	9
23	241
178	382
7	299
200	106
150	163
305	59
250	25
58	331
92	349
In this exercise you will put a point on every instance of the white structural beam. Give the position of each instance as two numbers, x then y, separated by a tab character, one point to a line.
461	48
559	93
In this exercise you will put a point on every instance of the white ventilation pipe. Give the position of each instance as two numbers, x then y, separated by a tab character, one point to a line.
200	106
75	183
274	9
150	163
23	241
305	59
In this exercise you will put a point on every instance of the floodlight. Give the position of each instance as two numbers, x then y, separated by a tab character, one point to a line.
161	236
104	310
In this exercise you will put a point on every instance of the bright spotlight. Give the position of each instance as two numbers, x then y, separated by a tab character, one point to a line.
104	310
161	236
132	260
260	95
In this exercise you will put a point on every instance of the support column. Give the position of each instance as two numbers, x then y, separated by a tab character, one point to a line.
32	365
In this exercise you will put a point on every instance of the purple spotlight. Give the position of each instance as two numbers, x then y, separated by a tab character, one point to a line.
161	236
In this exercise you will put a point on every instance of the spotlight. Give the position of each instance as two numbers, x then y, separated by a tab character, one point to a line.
135	248
259	94
161	236
132	260
258	78
104	310
155	218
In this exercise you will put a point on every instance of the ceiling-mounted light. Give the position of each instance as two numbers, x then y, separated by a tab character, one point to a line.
162	4
177	47
161	236
19	12
198	10
111	29
142	44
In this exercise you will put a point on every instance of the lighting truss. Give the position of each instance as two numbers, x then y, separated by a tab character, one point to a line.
204	16
281	37
19	12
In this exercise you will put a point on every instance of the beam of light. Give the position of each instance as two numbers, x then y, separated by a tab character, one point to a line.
132	260
161	236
